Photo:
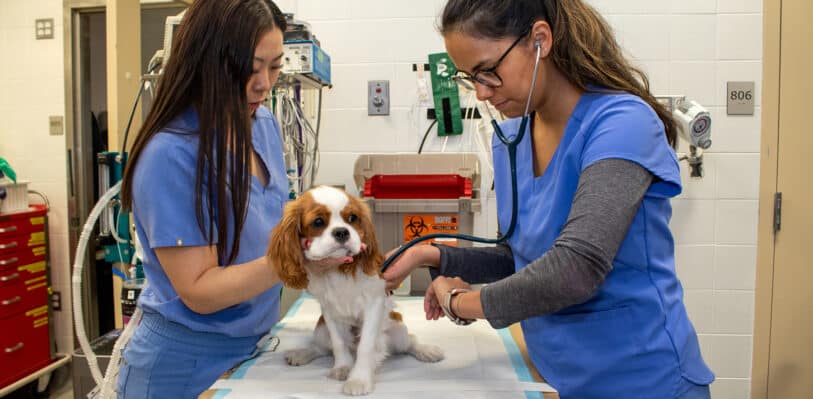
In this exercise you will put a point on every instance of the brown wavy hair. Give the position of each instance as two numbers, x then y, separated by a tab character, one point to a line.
209	67
584	47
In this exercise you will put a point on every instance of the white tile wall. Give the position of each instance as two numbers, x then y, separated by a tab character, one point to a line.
739	36
736	222
31	75
735	267
733	312
690	37
701	314
739	6
735	176
693	6
689	47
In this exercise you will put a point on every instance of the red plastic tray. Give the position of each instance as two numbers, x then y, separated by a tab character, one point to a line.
417	187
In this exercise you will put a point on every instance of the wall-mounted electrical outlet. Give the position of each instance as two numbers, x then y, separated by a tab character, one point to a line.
56	301
378	97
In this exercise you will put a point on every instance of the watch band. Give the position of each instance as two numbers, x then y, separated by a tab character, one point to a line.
447	307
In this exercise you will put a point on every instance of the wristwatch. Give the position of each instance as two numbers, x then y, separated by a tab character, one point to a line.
447	307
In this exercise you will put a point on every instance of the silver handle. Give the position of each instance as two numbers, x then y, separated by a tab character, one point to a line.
12	244
8	261
9	277
11	301
9	229
15	348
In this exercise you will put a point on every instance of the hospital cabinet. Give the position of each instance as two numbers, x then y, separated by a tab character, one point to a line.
24	319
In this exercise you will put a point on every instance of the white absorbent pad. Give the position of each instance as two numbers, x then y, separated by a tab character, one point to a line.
479	363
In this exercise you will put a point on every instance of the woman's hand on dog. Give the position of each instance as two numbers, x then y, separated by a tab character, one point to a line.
411	259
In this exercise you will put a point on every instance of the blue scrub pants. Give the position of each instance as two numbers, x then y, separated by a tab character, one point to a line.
168	360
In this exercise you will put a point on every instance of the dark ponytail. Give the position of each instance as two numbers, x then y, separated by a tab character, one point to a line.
584	47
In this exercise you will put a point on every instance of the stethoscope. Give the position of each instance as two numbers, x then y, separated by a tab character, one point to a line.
512	159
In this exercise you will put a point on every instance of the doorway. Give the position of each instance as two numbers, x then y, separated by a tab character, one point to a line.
86	122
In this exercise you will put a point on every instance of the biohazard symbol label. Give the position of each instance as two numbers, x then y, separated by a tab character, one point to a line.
416	226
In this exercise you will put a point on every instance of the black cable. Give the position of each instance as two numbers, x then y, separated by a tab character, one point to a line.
132	111
132	114
425	135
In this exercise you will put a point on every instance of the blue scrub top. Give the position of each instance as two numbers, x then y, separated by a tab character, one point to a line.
165	216
633	338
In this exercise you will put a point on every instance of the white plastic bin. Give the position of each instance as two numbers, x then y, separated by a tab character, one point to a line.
16	196
394	217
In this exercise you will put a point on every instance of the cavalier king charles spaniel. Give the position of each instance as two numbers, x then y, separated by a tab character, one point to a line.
358	324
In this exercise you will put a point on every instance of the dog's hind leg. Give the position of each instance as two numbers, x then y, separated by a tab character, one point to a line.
400	341
424	352
319	348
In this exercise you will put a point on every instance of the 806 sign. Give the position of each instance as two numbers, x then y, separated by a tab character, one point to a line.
741	95
740	98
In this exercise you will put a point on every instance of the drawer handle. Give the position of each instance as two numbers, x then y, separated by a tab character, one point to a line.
11	301
9	277
8	261
12	244
15	348
9	229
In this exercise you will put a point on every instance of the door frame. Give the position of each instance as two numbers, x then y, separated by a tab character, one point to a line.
80	162
769	159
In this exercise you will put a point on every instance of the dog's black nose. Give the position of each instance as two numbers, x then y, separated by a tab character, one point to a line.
341	234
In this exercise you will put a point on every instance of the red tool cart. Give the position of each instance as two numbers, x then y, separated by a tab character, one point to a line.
24	319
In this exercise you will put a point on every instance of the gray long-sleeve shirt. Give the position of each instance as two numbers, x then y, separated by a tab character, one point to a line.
607	198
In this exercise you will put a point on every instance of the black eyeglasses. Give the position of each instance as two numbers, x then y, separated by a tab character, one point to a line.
488	77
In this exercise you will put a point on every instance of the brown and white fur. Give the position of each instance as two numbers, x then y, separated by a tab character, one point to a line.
357	314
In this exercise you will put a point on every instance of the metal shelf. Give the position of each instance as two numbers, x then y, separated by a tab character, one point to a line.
62	360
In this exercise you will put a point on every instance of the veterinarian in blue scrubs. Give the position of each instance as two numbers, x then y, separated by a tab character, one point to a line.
589	271
207	163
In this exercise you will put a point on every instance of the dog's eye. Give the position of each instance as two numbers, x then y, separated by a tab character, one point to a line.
352	218
318	222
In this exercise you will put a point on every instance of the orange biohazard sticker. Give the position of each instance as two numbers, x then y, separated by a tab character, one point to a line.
421	225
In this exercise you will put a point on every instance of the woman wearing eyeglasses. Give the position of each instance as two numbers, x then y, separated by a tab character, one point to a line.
589	269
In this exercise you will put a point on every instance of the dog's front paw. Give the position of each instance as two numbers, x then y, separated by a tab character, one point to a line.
299	357
428	353
356	387
339	373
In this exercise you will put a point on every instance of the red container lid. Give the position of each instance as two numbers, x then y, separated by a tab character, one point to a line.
417	187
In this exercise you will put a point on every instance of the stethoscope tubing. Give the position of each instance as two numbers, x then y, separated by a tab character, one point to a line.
511	144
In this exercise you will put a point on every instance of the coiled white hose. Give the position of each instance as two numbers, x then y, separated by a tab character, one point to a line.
106	383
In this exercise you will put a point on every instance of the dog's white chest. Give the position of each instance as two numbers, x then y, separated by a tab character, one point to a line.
344	296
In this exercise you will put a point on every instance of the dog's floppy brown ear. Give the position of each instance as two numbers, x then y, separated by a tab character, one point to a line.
285	250
371	258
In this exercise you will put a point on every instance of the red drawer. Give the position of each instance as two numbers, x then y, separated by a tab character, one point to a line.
23	222
21	242
24	288
24	344
27	256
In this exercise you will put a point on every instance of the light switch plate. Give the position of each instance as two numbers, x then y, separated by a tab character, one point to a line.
55	125
740	98
378	97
